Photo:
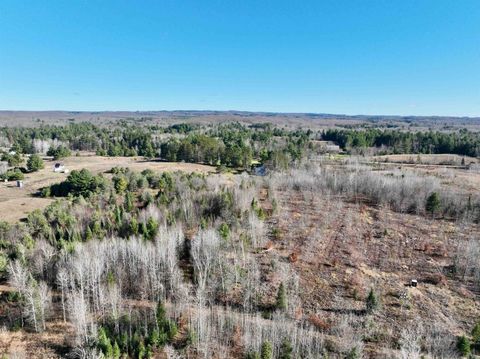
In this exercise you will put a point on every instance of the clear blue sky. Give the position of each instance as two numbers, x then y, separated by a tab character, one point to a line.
356	57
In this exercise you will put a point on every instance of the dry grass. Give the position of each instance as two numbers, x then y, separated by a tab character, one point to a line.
440	159
344	249
53	343
16	203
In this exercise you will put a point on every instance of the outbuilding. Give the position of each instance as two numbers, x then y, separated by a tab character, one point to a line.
59	167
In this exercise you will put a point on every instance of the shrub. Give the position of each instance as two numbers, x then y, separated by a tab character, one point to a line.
14	175
46	192
13	160
353	354
3	264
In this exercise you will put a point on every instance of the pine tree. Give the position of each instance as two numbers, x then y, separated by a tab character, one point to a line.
104	343
281	302
224	231
267	351
463	345
116	351
128	205
141	350
161	315
353	354
133	226
35	163
371	302
433	203
286	350
152	227
476	333
252	355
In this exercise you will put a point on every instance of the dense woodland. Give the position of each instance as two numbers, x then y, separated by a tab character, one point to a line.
462	142
233	145
198	266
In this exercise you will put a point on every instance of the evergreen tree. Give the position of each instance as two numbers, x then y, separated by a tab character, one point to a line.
371	302
59	152
161	314
463	345
35	163
120	184
476	333
128	205
104	343
281	302
252	355
142	353
267	351
353	354
224	231
133	226
432	204
286	350
152	227
116	351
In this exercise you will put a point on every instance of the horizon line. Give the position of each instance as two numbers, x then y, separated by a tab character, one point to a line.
254	112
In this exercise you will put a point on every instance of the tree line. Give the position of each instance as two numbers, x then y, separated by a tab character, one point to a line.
232	145
463	142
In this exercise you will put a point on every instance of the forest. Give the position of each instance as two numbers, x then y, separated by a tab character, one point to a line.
462	142
313	258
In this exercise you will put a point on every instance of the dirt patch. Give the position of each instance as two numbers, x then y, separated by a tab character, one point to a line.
50	344
344	249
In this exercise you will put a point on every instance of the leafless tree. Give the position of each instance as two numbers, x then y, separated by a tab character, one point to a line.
410	337
36	295
205	255
62	282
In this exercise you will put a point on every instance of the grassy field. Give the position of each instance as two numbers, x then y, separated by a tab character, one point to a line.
16	203
440	159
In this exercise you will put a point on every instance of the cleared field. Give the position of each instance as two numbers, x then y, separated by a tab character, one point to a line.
16	203
437	159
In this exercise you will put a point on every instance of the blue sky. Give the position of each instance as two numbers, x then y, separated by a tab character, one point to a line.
419	57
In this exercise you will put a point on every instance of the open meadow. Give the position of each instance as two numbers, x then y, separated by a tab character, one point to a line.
16	203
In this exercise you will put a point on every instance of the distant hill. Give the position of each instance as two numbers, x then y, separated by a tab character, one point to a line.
29	118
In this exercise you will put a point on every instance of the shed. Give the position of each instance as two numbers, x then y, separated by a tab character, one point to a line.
59	167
